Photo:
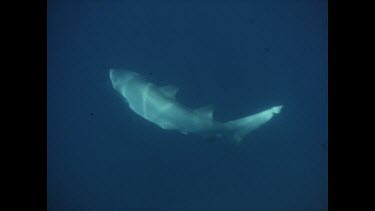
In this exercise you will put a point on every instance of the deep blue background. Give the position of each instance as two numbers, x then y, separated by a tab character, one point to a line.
241	56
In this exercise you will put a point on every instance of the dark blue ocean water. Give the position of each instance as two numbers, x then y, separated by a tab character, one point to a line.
240	56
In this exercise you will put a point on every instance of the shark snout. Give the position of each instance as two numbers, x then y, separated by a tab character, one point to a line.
119	77
114	76
112	73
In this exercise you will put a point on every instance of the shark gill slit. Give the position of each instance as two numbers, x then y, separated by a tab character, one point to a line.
144	99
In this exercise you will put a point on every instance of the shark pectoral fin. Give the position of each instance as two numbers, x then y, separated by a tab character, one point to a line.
205	111
184	132
169	91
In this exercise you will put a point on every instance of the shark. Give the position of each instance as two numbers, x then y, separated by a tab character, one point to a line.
158	105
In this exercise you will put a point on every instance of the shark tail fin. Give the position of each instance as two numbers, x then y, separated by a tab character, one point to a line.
239	128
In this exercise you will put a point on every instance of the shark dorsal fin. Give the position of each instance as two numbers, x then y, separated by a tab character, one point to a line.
169	91
206	111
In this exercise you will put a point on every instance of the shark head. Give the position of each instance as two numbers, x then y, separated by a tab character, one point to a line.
121	77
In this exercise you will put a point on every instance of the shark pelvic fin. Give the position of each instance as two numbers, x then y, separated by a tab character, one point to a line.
169	91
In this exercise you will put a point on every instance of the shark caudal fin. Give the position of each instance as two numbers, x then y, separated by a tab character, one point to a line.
239	128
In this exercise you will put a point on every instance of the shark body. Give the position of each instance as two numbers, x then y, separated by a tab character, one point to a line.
159	106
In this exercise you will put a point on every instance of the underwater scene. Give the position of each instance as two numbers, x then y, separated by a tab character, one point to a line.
187	105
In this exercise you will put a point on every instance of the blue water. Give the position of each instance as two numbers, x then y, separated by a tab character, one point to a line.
240	56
